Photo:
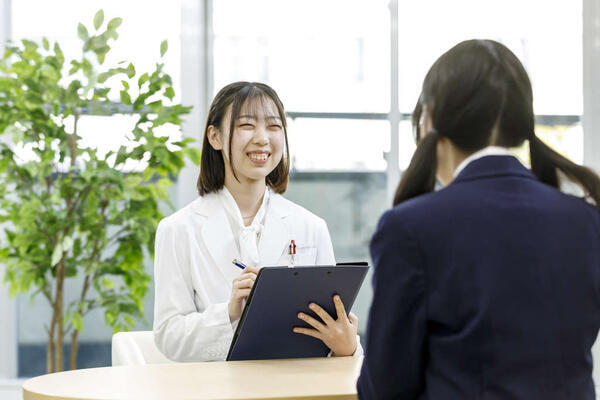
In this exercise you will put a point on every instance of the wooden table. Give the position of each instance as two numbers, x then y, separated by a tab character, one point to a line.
298	379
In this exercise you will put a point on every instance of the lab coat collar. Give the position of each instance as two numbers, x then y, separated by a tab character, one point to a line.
217	234
209	203
275	237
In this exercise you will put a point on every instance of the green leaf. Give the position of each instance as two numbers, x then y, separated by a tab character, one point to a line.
59	54
130	71
169	92
110	318
130	321
67	243
77	321
125	97
194	154
148	174
164	46
98	19
107	283
45	43
164	182
49	72
102	77
114	23
57	254
132	180
75	65
82	32
143	79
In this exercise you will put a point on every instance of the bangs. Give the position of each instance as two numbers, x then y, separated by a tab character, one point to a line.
257	104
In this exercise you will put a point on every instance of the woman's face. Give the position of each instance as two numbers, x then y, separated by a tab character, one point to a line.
258	141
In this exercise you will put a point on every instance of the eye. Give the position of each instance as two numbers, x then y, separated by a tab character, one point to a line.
275	126
246	126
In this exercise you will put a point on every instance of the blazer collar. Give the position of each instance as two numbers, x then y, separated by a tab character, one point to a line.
493	166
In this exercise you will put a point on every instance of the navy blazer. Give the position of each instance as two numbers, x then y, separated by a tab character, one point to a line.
486	289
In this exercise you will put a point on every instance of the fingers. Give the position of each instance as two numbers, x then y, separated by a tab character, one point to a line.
245	276
311	321
252	270
240	294
353	319
308	332
325	317
243	284
339	308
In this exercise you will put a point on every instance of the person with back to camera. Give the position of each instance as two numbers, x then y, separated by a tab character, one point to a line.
490	287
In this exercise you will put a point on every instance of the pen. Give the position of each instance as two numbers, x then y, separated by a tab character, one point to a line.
292	252
238	263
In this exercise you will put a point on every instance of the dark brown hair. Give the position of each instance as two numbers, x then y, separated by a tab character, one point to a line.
476	90
212	165
416	118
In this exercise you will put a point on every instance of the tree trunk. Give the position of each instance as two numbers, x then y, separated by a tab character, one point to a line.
75	334
50	350
74	348
60	278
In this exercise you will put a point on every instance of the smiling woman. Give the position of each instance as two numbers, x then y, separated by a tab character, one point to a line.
240	216
253	115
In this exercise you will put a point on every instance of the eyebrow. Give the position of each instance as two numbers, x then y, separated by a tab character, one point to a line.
255	117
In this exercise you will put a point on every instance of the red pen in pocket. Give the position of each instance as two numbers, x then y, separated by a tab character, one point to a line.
292	251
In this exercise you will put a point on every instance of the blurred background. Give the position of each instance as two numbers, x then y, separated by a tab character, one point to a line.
348	72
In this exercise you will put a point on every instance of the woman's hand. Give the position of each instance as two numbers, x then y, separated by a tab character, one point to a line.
240	291
339	334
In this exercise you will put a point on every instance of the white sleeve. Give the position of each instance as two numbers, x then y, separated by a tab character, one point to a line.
182	333
325	255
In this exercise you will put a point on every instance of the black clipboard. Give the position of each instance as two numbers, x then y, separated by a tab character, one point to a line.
279	293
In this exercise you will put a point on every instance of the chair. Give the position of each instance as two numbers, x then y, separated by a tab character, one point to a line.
136	348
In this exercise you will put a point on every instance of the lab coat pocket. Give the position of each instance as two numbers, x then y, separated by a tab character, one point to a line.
305	256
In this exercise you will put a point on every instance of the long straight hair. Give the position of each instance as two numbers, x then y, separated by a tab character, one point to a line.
476	88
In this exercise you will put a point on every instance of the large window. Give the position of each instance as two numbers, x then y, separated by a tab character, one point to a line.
546	36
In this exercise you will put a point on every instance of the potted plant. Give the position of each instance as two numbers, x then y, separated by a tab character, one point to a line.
68	210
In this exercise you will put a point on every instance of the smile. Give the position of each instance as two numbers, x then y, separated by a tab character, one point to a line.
258	157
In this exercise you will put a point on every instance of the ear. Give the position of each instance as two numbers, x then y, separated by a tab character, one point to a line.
214	138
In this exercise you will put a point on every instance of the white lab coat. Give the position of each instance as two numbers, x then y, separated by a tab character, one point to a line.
193	272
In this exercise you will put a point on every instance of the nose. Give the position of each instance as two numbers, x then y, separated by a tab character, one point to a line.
261	136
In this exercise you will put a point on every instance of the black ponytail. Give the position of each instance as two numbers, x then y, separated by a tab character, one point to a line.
545	164
419	177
